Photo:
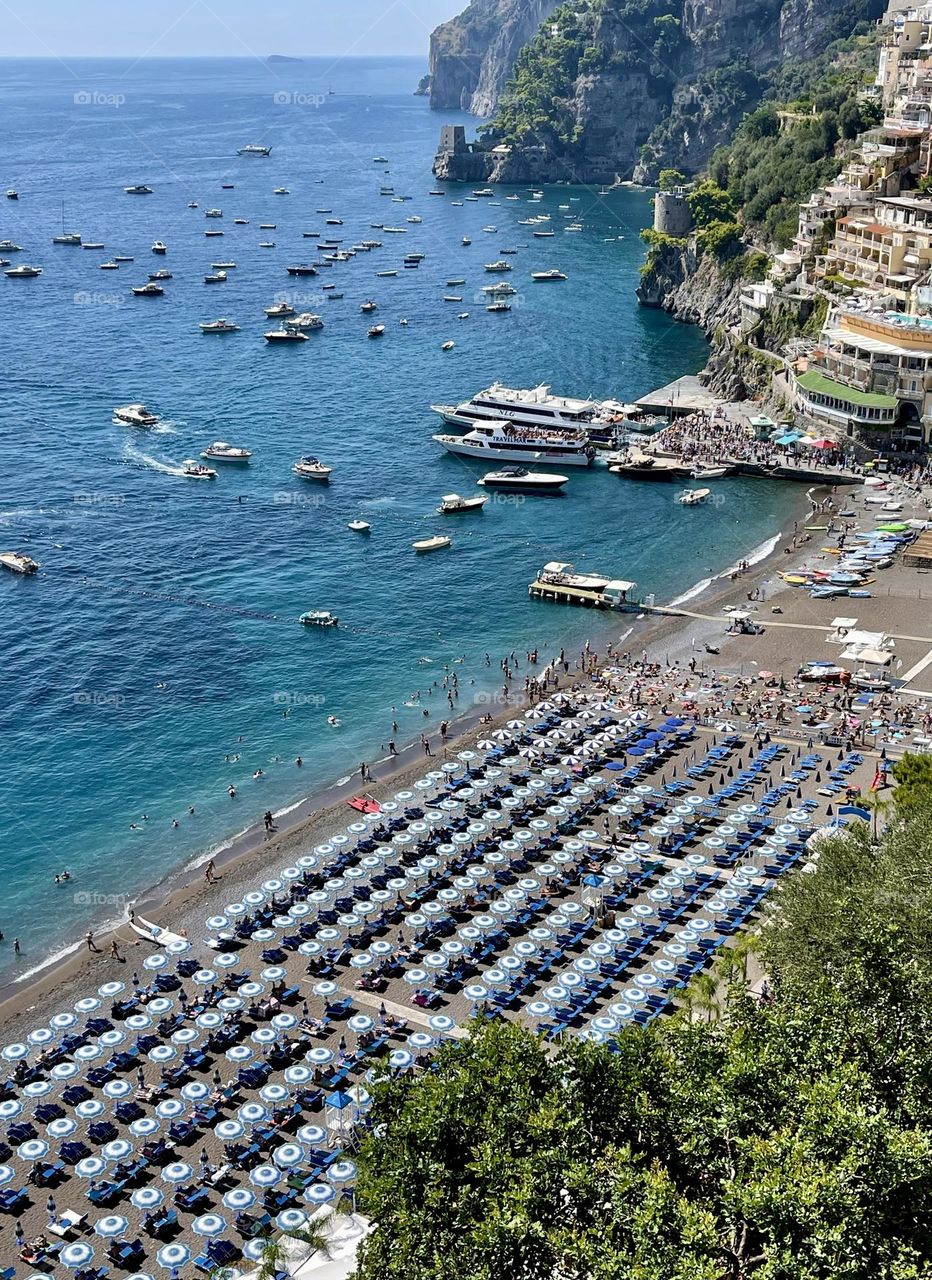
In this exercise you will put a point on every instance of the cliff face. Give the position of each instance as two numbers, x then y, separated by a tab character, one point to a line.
472	56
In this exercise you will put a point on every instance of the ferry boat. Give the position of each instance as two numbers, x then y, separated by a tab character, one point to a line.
140	189
218	326
309	468
510	442
220	451
452	502
195	470
16	562
252	149
134	415
319	618
520	480
534	407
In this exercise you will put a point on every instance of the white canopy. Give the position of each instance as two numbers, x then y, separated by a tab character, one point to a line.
873	657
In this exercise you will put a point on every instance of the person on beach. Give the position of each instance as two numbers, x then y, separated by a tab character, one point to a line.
269	820
89	939
115	951
209	872
392	749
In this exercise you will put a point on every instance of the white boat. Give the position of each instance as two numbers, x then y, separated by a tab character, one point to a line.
544	235
154	932
306	320
279	309
692	497
552	274
501	289
448	345
369	306
7	246
359	526
135	415
23	272
452	502
213	213
709	473
218	326
510	442
12	193
160	275
196	470
309	468
281	191
215	277
66	237
253	149
498	306
376	331
159	247
140	189
501	265
220	451
16	562
108	266
285	335
436	543
520	480
535	407
319	618
150	290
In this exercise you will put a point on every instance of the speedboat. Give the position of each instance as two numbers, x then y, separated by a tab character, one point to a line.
369	306
150	290
302	269
220	451
123	257
92	244
281	191
376	331
223	266
213	213
160	275
319	618
501	289
266	244
140	189
452	502
23	272
279	309
466	241
436	543
16	562
12	194
501	265
159	247
135	415
692	497
520	480
285	335
215	277
253	149
218	326
448	345
108	266
543	235
197	471
709	473
386	274
7	246
241	222
309	468
306	320
552	274
359	526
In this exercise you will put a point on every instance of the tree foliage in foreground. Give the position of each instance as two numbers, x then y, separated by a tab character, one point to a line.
790	1140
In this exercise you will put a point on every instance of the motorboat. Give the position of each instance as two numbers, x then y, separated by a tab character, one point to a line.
385	274
266	244
218	326
267	226
466	241
253	149
692	497
310	468
451	503
195	470
215	277
436	543
453	297
241	222
333	297
359	526
123	257
709	473
135	415
490	230
544	235
642	466
223	266
281	191
414	218
192	204
501	265
140	189
451	284
159	247
501	289
150	290
213	213
520	480
23	272
17	562
7	246
108	266
448	345
319	618
302	269
209	234
306	320
12	194
376	331
498	306
220	451
508	442
279	309
369	306
285	335
334	222
160	275
92	244
552	274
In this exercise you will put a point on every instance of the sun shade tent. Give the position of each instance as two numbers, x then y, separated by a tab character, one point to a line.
871	657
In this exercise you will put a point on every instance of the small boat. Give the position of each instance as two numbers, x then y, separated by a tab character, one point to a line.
135	415
192	204
552	274
226	186
436	543
692	497
463	315
220	451
12	194
310	468
709	473
16	562
66	237
285	335
253	149
158	247
123	257
520	480
266	244
359	526
195	470
381	274
218	326
448	345
279	309
267	226
544	235
452	502
453	297
331	297
150	290
223	266
334	222
215	277
306	320
160	275
140	189
369	306
214	234
241	222
92	244
302	269
466	240
319	618
414	218
499	306
23	272
108	266
451	284
7	246
380	160
281	191
501	265
213	213
376	331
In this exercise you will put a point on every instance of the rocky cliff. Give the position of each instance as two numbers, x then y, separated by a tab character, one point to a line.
614	89
472	56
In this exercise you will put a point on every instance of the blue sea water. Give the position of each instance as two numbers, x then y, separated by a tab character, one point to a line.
149	664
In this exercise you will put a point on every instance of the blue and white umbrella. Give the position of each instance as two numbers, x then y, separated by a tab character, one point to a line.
229	1130
263	1035
90	1167
441	1024
7	1174
185	1035
238	1199
417	977
34	1149
209	1225
170	1109
539	1009
360	1023
112	1226
217	922
117	1089
156	962
88	1052
196	1091
177	1172
298	1074
319	1193
400	1059
324	989
144	1127
76	1255
253	1113
606	1024
10	1108
274	973
63	1128
37	1088
41	1036
320	1056
265	1175
311	1135
162	1053
288	1156
62	1021
171	1256
238	1053
87	1005
118	1149
476	992
291	1220
420	1041
254	1249
229	1004
146	1198
204	977
14	1052
274	1094
342	1171
111	989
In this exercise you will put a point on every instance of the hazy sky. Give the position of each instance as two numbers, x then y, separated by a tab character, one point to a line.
171	28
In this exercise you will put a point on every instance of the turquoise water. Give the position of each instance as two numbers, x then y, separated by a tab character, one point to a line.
160	638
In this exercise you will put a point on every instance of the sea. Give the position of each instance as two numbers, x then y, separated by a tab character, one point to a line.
156	659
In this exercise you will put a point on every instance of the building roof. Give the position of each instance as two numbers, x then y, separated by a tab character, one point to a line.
819	384
876	346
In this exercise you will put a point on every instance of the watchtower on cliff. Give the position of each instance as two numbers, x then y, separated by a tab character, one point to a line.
452	140
672	213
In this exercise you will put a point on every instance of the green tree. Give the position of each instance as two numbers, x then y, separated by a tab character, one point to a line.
670	179
708	203
913	778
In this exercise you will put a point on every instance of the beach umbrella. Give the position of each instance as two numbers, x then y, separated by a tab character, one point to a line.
298	1074
291	1220
400	1059
441	1023
10	1108
360	1023
274	1093
288	1156
37	1088
155	962
476	992
90	1167
324	989
117	1089
14	1052
118	1149
263	1035
170	1109
238	1199
342	1171
319	1193
160	1005
112	1226
78	1254
34	1149
177	1172
320	1056
312	1135
88	1052
539	1009
146	1198
41	1036
162	1053
420	1041
209	1225
252	1113
171	1256
229	1130
62	1021
254	1249
265	1175
87	1005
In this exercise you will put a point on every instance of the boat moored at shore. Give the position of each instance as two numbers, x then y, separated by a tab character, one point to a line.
509	442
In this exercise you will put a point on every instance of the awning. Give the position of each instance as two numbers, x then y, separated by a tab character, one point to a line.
872	657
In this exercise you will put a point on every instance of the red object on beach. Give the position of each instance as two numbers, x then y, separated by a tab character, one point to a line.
364	804
824	444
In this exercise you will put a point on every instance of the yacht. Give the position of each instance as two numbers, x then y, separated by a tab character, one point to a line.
150	290
509	442
134	415
306	320
196	470
253	149
552	274
279	309
500	290
66	237
501	265
436	543
285	335
220	451
140	189
23	272
520	480
218	326
452	502
319	618
159	247
376	331
16	562
534	407
309	468
484	191
302	269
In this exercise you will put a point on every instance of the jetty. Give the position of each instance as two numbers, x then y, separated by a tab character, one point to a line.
558	582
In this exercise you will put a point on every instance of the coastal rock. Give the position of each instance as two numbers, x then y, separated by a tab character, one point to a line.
423	87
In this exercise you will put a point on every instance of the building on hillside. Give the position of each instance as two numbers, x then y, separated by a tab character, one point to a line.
889	251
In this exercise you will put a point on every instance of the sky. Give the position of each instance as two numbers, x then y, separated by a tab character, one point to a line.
229	28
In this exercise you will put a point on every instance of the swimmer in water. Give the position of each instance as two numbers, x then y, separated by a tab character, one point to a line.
231	791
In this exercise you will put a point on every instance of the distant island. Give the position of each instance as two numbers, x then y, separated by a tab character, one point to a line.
282	57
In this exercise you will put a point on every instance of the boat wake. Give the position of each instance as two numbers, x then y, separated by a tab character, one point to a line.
146	460
759	553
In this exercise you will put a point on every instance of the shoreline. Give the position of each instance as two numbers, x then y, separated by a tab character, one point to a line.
181	898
